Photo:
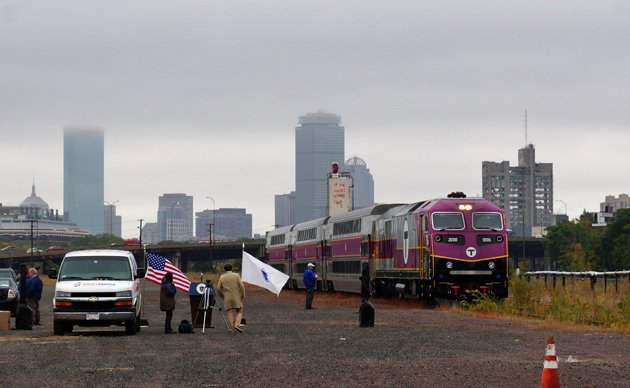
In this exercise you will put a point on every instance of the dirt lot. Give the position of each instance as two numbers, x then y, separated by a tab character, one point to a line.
285	345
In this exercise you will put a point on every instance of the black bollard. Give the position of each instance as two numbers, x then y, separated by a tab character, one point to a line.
366	314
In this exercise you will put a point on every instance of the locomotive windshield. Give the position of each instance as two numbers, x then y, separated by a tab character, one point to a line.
492	221
443	221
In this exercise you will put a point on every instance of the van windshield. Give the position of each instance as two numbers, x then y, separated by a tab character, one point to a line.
95	268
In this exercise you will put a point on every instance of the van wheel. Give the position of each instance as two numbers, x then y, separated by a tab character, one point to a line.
138	325
59	328
130	326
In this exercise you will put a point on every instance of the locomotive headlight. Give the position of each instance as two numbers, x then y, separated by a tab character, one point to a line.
449	264
499	238
491	265
438	238
465	207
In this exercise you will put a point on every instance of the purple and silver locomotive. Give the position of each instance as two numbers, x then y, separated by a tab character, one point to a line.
440	248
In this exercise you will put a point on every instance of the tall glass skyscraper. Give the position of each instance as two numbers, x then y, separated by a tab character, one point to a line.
319	141
83	178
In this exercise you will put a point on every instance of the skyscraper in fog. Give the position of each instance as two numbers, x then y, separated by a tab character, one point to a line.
83	178
175	217
363	191
319	141
525	191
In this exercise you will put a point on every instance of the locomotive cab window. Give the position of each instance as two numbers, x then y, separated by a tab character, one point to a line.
487	221
451	220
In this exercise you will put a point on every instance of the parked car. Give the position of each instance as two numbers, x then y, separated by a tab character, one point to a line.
10	248
8	273
34	250
9	295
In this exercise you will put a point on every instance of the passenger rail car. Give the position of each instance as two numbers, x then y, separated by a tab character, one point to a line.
440	248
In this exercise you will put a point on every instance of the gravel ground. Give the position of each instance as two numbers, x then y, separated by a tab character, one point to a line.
285	345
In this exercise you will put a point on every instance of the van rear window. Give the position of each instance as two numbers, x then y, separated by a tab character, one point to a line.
95	268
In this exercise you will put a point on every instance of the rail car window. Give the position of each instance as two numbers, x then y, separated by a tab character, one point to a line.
279	267
307	234
347	227
492	221
278	239
346	267
443	221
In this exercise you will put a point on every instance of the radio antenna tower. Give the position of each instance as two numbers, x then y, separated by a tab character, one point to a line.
526	128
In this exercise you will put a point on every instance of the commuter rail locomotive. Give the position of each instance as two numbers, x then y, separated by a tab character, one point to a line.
440	248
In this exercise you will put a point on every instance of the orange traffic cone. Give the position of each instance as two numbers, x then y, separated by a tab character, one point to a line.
550	377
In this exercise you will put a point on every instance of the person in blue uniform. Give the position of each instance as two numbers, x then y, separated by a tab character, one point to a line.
310	281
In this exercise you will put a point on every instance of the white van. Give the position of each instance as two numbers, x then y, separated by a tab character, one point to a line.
97	288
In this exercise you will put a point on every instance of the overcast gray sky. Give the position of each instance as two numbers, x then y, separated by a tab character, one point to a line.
202	97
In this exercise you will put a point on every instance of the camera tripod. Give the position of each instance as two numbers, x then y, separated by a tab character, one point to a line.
207	302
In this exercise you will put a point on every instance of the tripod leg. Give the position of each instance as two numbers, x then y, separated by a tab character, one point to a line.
206	304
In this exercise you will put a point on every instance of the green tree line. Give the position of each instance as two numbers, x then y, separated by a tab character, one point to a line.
578	246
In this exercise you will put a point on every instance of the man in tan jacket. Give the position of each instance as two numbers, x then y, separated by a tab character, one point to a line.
230	288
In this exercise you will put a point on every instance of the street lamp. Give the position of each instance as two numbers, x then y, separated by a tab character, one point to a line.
111	215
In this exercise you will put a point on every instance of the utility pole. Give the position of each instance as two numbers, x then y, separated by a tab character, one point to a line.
211	225
144	257
140	238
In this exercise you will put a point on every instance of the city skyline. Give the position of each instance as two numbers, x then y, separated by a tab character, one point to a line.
203	98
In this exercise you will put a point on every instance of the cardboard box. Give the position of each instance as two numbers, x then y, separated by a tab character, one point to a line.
5	320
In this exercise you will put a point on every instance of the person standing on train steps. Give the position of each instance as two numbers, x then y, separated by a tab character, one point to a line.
310	281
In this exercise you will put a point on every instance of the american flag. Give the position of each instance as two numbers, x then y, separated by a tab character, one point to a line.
158	266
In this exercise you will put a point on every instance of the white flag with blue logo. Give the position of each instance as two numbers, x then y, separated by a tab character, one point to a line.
260	274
